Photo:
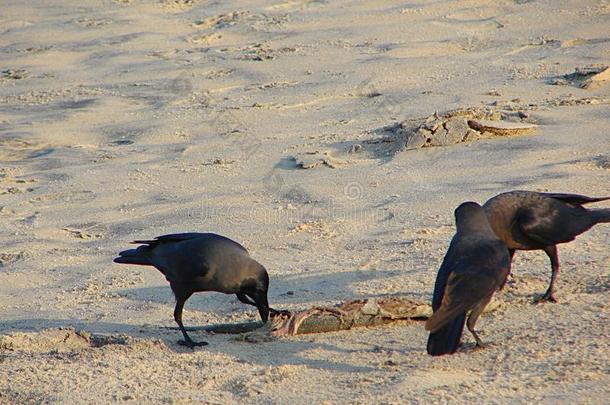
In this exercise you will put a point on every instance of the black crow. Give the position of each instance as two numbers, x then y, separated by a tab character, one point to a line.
475	266
527	220
193	262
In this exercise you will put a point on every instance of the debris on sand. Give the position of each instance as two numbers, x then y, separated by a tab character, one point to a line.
310	160
450	128
350	314
589	77
369	312
457	126
502	128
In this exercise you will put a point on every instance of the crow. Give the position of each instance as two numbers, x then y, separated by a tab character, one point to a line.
527	220
476	264
193	262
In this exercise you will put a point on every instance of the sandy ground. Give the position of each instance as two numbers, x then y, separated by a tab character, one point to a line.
127	119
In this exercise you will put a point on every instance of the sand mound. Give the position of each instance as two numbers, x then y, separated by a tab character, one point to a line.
58	340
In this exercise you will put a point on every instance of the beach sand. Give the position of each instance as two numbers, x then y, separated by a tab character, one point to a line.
123	120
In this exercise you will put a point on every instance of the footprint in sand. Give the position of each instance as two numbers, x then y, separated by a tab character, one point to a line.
14	74
11	185
83	234
222	20
93	22
602	162
177	4
9	258
205	39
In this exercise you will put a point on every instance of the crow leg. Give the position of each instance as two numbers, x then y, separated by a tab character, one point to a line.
549	295
474	316
180	300
510	276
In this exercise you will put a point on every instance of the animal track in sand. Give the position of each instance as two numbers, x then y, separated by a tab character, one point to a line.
262	22
272	85
9	258
258	51
13	74
11	185
602	162
84	227
205	39
177	4
93	22
14	149
80	234
223	20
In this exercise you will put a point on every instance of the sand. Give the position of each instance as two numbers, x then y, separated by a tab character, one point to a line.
123	120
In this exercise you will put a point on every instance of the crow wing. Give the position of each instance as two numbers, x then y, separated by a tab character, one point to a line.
180	237
576	199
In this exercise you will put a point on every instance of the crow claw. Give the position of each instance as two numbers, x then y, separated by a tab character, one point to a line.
191	344
548	297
